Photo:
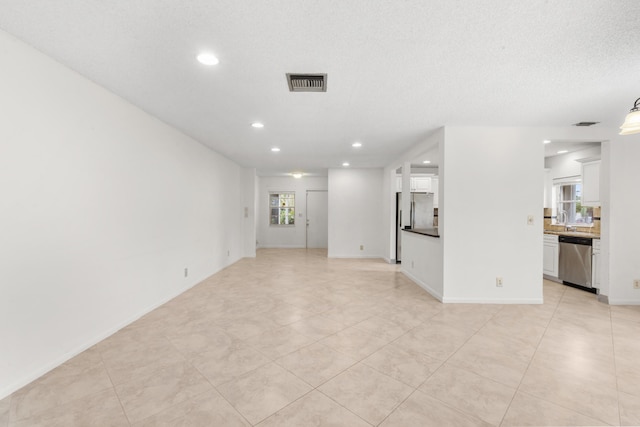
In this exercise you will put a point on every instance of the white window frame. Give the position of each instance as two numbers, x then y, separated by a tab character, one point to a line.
558	202
280	207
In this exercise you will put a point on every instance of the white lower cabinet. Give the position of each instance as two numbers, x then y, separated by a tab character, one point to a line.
595	264
550	255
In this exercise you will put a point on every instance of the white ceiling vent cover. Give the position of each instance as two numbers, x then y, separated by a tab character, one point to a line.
307	82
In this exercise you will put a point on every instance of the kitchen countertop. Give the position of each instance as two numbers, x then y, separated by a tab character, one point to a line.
432	232
573	234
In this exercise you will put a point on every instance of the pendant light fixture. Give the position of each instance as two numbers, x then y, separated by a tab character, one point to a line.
631	124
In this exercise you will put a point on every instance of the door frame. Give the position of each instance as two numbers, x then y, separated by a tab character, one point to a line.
306	213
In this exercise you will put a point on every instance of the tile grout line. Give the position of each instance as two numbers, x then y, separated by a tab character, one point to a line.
344	370
217	391
104	365
615	366
9	400
532	356
445	361
529	365
415	389
207	379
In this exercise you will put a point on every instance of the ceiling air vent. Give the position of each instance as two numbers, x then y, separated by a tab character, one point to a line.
307	82
586	123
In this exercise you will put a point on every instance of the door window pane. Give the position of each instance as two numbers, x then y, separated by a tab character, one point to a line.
282	208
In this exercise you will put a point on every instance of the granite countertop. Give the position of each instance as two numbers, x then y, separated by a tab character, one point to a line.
432	232
573	233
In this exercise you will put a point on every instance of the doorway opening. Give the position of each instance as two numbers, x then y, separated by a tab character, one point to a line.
317	228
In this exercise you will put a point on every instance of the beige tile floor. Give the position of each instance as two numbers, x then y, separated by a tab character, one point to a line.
292	338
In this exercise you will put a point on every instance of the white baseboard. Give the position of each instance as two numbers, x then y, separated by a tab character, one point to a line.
447	300
423	285
282	247
8	389
551	278
624	301
531	301
355	256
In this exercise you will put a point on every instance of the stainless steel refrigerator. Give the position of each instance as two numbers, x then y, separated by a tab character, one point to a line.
421	214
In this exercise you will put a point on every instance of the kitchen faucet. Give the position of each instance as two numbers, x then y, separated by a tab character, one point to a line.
562	217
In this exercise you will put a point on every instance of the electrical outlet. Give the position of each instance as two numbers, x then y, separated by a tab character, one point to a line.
361	247
499	282
636	284
186	272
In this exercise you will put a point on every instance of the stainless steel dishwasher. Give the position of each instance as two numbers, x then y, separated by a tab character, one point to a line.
575	261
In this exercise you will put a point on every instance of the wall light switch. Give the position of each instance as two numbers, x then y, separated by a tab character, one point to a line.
529	219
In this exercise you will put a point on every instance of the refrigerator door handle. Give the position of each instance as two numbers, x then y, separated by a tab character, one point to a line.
413	213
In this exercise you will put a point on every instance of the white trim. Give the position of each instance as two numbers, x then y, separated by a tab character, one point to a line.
624	301
356	256
423	285
17	385
493	301
71	354
281	247
551	278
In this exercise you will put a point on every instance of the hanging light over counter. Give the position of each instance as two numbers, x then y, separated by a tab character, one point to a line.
631	124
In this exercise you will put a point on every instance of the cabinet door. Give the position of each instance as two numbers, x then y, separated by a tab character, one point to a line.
421	184
595	264
591	183
549	263
434	190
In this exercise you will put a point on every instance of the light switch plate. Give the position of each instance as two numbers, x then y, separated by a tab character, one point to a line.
529	219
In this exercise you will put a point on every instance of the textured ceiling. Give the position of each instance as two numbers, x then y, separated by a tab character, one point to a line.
397	70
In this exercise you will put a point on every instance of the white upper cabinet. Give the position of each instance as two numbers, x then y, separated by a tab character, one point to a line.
434	190
550	256
421	184
591	183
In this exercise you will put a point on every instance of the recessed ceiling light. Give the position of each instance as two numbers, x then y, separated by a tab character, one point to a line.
208	59
426	162
563	151
275	149
345	164
297	175
546	141
257	125
357	144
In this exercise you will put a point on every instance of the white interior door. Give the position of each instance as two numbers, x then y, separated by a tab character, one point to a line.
317	219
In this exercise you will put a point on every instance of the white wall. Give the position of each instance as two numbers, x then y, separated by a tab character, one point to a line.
356	213
429	145
102	209
497	151
249	188
422	261
565	165
285	237
622	219
492	182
